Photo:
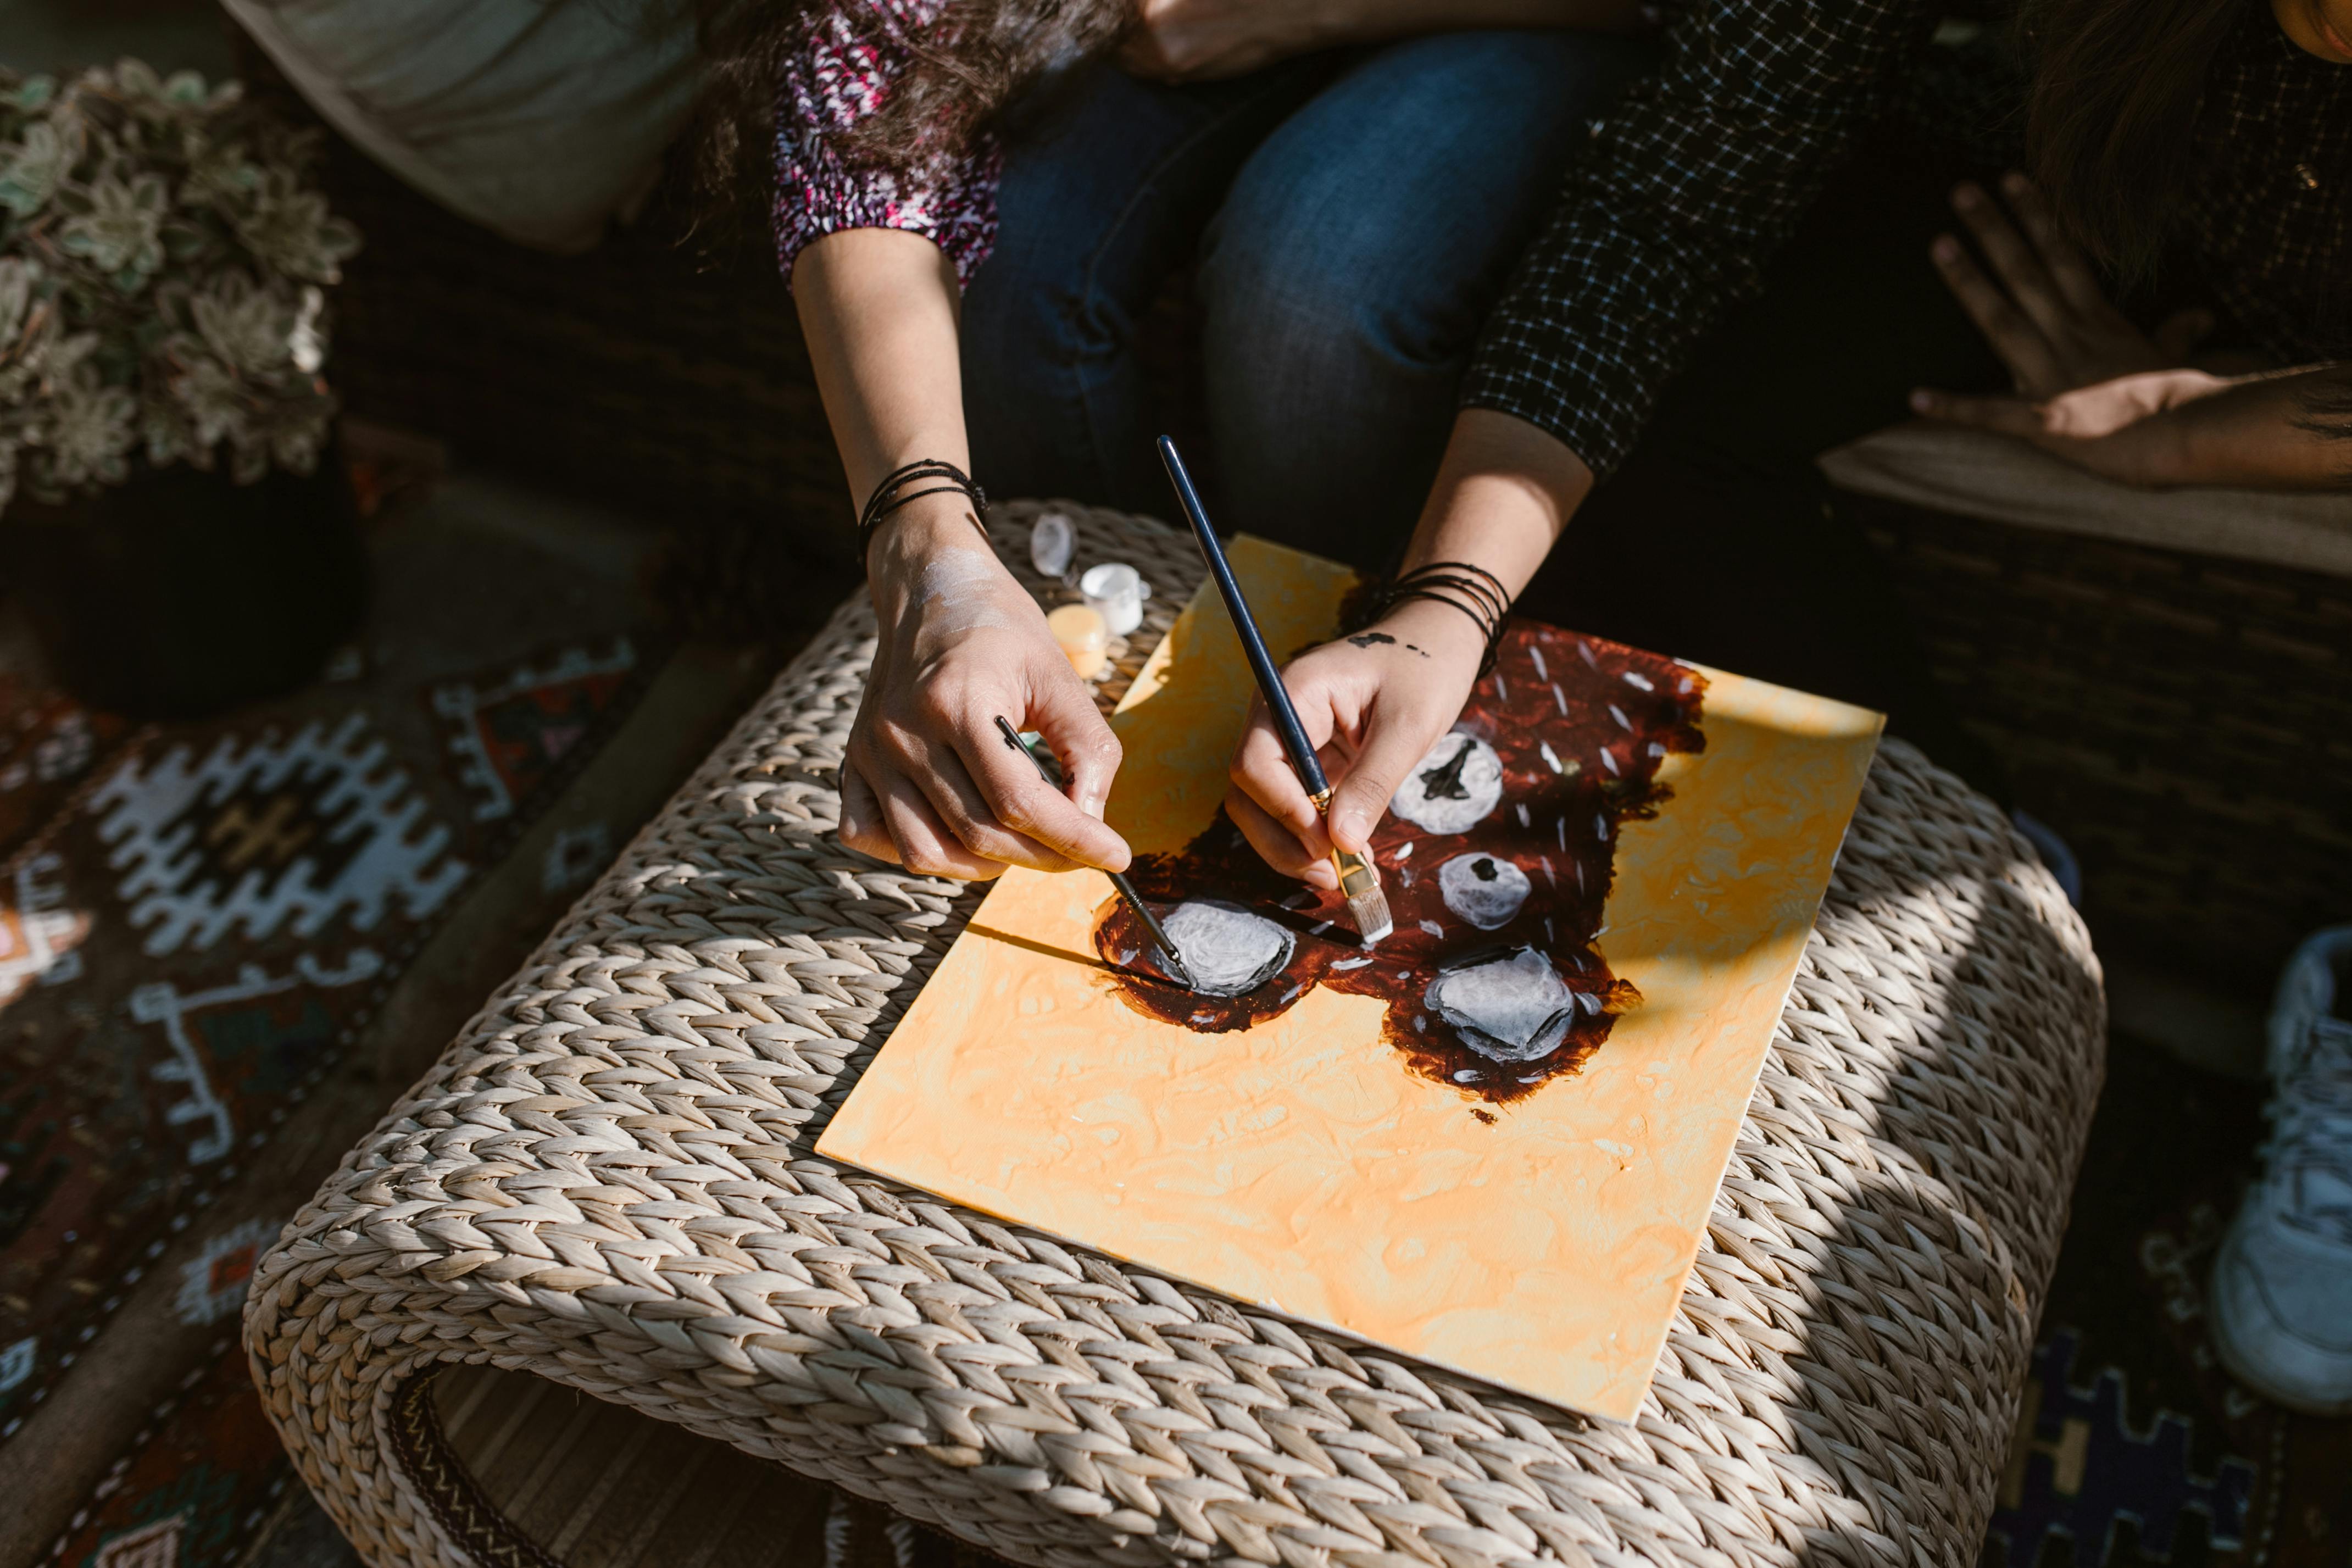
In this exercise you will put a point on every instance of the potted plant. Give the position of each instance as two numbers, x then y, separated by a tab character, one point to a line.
172	515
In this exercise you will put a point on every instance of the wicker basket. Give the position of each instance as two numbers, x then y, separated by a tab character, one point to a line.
2186	722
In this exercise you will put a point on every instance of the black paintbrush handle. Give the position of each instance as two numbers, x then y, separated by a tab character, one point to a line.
1125	889
1269	679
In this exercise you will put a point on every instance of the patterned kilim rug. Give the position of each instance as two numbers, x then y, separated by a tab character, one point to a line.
198	924
195	935
2134	1447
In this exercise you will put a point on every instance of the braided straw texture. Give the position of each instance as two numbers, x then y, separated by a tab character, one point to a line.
607	1181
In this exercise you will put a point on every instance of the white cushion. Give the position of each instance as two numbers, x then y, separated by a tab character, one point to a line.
541	119
2002	479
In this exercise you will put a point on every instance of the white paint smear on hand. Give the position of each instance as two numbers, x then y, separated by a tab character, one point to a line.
956	591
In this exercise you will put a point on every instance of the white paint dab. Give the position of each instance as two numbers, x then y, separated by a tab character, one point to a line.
1536	654
1550	757
1484	889
1454	787
1509	1009
1228	950
1640	682
1432	928
1619	714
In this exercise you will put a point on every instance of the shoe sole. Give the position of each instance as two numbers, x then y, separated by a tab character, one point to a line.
2239	1370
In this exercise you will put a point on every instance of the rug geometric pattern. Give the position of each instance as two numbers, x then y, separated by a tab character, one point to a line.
191	939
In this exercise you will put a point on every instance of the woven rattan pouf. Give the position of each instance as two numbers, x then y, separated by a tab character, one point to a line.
607	1183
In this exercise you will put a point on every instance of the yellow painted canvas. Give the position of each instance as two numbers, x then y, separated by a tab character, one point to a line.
1490	1142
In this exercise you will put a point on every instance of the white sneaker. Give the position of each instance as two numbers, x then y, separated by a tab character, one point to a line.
2282	1296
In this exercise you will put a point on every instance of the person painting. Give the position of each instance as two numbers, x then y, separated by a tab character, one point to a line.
1728	289
975	202
1723	287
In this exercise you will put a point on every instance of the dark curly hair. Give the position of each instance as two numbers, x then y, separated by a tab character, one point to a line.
966	70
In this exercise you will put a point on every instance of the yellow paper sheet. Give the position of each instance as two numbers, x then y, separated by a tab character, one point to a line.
1540	1245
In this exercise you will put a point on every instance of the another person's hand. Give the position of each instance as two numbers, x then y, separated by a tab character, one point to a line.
1203	40
2113	428
2043	309
927	781
1373	704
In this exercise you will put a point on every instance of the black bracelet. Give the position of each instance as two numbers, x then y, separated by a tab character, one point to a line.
886	500
1473	590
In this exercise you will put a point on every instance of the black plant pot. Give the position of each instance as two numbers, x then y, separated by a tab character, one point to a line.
181	594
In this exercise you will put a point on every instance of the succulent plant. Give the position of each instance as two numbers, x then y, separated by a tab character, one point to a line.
164	263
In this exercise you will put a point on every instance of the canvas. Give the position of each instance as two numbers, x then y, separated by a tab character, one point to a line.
1490	1142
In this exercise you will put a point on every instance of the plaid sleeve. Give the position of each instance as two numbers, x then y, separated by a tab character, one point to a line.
837	77
1688	186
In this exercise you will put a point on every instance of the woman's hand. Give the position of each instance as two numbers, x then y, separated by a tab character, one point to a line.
1203	40
1373	704
2091	386
2280	430
928	781
2111	429
2043	309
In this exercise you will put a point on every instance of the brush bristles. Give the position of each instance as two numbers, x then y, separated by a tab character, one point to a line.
1368	913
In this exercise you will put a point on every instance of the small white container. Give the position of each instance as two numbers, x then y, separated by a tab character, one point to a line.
1052	540
1116	592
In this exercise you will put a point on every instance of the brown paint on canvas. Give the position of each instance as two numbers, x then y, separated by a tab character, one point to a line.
1581	727
1298	1164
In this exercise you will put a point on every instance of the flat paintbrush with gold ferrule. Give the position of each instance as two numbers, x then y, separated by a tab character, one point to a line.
1360	882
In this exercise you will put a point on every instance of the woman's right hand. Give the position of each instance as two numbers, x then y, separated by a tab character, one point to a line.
928	781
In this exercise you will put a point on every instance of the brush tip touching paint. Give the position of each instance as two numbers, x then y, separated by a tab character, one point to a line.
1370	915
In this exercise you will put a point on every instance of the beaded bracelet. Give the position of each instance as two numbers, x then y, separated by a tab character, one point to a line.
1473	590
885	499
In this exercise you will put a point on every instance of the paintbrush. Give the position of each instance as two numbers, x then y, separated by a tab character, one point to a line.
1359	882
1171	960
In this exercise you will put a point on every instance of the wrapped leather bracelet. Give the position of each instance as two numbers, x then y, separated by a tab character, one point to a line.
1473	590
886	499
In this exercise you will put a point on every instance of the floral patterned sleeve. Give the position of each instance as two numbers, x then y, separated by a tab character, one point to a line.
839	75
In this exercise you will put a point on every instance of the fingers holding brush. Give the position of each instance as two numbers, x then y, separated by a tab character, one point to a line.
1281	846
1266	801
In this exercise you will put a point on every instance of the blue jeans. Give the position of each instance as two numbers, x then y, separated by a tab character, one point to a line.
1349	218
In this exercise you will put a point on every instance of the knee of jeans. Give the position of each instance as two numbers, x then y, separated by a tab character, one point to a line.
1022	314
1298	309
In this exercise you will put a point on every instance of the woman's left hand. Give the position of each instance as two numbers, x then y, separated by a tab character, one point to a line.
2089	383
1372	704
1203	40
2043	309
2111	428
